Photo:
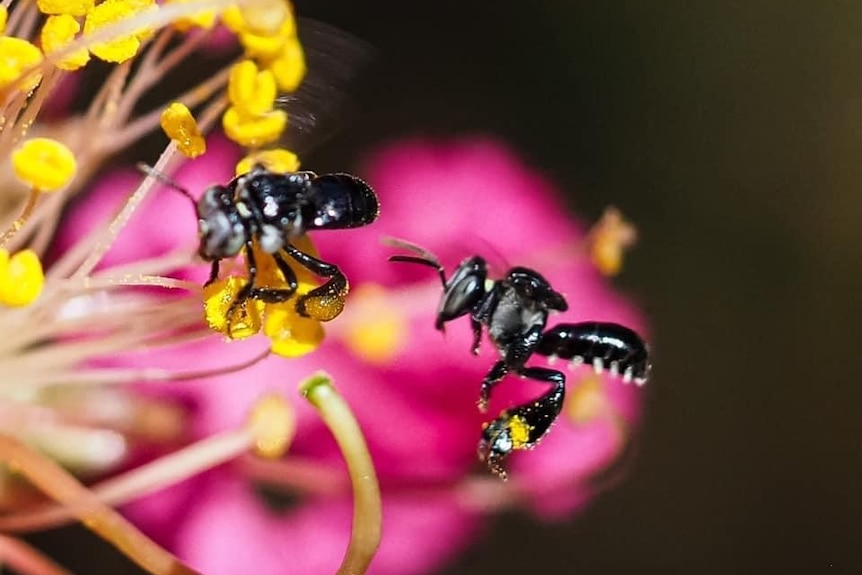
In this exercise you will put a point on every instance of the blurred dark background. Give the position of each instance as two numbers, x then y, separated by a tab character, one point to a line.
731	134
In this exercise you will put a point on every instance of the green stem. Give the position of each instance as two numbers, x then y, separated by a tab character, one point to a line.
367	508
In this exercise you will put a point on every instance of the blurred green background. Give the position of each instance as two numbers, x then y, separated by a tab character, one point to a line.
731	134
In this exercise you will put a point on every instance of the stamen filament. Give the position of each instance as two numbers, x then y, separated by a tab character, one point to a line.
61	486
367	508
165	471
32	200
23	558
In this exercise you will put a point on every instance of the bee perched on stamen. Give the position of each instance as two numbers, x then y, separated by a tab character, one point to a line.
265	211
515	310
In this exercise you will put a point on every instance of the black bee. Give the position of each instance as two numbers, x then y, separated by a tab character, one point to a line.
271	209
514	310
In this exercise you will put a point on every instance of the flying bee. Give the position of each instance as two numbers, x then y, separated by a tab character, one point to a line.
514	310
272	209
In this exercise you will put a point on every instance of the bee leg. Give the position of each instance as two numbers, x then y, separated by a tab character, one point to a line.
325	302
516	355
477	335
497	373
213	273
523	426
277	295
246	290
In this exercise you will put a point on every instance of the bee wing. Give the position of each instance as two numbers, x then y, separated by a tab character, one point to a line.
320	106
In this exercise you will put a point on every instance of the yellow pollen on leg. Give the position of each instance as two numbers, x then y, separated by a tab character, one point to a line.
519	432
218	299
375	330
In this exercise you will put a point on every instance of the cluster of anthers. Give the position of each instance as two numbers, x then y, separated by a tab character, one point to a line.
53	386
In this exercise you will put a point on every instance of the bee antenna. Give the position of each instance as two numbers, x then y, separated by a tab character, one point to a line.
422	257
163	178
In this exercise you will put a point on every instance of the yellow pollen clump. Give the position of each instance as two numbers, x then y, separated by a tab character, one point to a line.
251	92
291	334
124	47
59	31
69	7
288	67
180	126
218	298
325	307
4	16
272	423
253	131
44	164
21	278
277	160
376	330
18	56
519	432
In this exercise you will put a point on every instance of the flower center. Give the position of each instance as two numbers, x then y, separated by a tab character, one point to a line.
375	330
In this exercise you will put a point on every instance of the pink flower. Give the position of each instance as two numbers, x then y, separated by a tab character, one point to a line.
413	391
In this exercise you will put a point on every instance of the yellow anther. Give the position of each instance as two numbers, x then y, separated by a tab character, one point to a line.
21	278
250	91
289	66
44	164
277	160
261	17
218	299
268	45
180	126
59	31
4	16
519	431
18	56
375	329
609	239
124	47
69	7
253	131
291	334
204	19
272	423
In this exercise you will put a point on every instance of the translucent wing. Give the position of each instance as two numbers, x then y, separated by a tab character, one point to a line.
320	106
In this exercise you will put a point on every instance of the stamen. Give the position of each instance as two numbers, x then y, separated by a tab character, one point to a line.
367	509
271	427
22	558
61	486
